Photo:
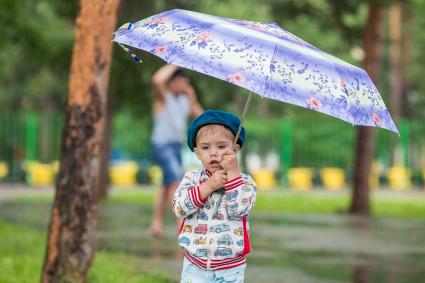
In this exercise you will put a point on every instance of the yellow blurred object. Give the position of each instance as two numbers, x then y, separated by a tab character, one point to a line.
155	175
4	170
300	178
373	181
333	178
264	178
39	174
399	178
375	171
123	173
55	166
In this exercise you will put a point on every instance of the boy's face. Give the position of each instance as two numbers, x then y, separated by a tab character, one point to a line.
212	142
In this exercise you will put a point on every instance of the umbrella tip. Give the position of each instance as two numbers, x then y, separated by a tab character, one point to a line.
127	26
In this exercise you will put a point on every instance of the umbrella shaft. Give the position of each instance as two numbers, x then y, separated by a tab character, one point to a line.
245	110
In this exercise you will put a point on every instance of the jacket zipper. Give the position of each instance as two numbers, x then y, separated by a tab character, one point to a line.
208	239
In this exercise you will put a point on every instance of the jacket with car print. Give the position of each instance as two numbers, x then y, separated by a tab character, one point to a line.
214	232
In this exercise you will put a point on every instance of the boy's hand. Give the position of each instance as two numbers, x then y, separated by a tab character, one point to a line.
229	163
214	183
217	180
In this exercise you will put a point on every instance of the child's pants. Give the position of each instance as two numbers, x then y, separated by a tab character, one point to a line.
193	274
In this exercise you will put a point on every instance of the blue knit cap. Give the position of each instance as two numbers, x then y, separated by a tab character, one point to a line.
226	119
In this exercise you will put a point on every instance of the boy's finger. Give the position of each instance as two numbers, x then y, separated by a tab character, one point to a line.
221	172
228	152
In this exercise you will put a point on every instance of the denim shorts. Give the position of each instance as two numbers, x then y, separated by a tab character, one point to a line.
169	157
193	274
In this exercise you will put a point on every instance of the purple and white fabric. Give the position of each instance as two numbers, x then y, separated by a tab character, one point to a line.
263	58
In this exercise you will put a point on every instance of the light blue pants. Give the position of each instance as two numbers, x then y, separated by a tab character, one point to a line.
193	274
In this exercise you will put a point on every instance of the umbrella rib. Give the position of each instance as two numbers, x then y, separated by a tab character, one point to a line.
270	71
245	110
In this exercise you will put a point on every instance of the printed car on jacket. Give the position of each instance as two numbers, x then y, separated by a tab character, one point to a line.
233	208
187	229
201	229
231	196
238	231
188	203
202	216
225	240
220	228
221	251
184	240
181	211
201	253
218	216
200	241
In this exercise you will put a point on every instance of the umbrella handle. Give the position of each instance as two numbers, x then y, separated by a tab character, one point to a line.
245	110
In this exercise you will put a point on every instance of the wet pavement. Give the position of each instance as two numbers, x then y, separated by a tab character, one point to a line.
286	247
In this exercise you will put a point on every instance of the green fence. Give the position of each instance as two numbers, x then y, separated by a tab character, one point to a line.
324	142
299	141
28	137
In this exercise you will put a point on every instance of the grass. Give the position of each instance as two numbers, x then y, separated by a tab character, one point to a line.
22	252
384	203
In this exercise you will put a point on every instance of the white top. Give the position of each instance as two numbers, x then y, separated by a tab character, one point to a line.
170	122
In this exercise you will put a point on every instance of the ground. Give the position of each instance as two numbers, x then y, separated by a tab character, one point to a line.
288	246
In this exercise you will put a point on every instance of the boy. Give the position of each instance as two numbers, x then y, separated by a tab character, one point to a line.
214	203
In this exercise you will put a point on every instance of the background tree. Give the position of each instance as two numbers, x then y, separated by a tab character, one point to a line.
364	153
71	242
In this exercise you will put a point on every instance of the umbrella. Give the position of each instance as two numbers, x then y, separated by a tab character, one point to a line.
263	58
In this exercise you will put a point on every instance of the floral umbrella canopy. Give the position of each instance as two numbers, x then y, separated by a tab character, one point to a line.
263	58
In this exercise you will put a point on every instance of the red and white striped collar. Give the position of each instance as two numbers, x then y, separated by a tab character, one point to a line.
208	173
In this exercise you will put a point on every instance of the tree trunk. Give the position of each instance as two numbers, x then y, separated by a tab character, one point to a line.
396	79
405	56
364	153
104	155
71	242
362	274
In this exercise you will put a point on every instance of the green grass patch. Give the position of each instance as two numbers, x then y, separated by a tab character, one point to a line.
301	202
142	196
22	255
384	203
403	205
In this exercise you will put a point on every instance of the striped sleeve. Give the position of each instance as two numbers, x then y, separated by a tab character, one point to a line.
195	197
187	198
233	184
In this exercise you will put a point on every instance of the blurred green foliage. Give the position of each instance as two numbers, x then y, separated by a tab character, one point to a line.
417	64
35	55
